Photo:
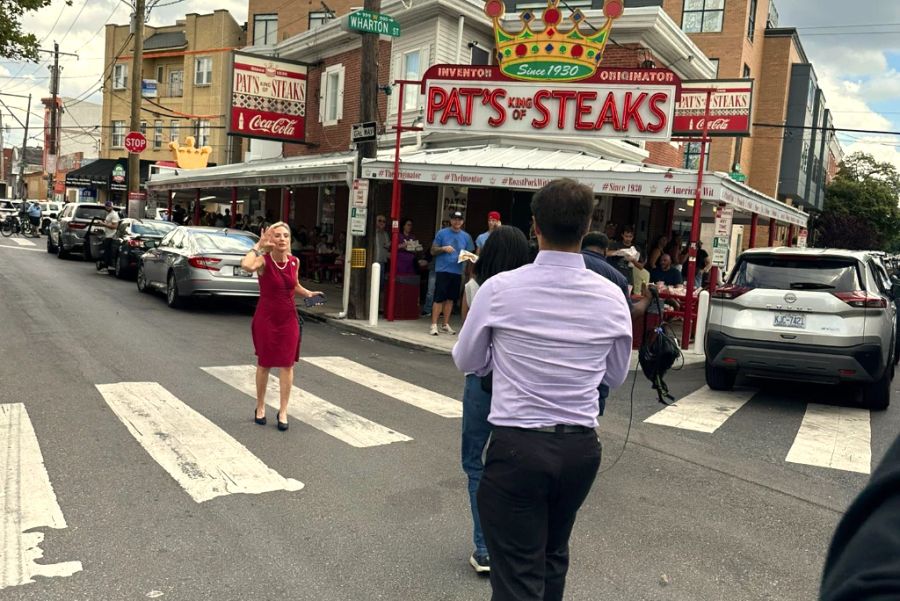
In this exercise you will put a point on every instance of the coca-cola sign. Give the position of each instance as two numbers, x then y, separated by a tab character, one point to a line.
268	98
730	108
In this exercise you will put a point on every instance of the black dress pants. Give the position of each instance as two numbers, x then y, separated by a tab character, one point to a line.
532	487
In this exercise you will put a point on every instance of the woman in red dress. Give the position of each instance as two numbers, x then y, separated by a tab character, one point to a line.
275	327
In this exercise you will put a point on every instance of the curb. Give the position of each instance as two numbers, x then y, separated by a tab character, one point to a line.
343	325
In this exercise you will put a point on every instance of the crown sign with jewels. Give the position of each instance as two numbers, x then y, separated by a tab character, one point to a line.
546	53
190	157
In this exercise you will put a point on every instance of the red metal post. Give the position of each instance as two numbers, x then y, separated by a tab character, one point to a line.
395	212
285	204
171	197
233	207
790	236
773	228
695	231
754	221
197	208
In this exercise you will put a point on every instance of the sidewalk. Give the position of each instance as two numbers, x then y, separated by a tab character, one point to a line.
411	333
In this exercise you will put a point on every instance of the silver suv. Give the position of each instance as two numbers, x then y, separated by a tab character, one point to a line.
813	315
67	234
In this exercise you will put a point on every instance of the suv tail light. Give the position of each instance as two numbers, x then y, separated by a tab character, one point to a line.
862	299
135	243
730	291
204	263
74	225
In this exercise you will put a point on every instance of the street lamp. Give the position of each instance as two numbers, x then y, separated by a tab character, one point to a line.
417	126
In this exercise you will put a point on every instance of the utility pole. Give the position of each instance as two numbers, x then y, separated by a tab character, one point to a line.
368	111
53	140
22	159
137	67
2	161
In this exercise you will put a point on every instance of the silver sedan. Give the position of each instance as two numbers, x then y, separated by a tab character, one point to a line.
195	262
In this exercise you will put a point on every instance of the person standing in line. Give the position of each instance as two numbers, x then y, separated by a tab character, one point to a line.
110	225
493	224
382	243
445	249
704	265
275	327
550	332
505	250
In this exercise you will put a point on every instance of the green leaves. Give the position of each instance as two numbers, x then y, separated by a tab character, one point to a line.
861	206
16	44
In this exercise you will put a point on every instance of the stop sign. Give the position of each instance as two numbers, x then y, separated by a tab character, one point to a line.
135	142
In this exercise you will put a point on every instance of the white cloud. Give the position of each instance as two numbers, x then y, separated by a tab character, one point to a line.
884	87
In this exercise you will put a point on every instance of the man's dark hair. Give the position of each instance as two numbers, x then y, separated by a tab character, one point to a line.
628	229
562	210
598	239
506	249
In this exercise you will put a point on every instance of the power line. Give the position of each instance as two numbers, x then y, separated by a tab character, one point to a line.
833	129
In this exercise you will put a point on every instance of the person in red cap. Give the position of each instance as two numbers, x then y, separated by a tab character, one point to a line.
493	223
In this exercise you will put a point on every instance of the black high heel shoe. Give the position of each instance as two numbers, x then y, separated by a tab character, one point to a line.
259	420
282	426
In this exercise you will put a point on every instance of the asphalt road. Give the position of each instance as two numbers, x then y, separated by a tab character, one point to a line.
683	515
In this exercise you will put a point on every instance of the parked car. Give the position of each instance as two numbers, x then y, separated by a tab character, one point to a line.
193	261
67	234
8	207
132	239
49	213
811	315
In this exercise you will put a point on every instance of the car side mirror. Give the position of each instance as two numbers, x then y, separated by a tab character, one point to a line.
150	244
895	290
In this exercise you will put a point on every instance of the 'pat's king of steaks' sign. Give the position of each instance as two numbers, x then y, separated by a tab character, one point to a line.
547	80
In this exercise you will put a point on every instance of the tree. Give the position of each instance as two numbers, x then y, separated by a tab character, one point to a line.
16	44
861	209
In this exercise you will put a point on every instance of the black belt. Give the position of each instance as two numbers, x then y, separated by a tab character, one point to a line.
557	429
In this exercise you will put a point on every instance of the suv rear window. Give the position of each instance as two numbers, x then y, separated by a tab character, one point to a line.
152	229
797	273
90	213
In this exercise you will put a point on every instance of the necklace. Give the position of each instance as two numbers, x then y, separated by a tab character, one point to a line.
281	267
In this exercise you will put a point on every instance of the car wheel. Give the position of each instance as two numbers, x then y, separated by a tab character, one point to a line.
172	297
50	246
119	270
719	378
877	395
142	284
61	252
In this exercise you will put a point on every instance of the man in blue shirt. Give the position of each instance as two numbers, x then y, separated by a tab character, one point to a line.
493	223
448	270
665	273
34	216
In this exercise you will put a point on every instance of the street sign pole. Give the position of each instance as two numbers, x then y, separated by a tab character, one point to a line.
134	160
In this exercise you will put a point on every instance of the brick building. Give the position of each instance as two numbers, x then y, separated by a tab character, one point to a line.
270	22
637	182
189	62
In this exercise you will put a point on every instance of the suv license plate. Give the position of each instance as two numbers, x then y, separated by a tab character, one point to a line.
240	272
790	320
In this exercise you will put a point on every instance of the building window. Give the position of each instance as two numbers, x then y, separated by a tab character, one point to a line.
317	18
120	76
751	21
331	95
174	129
746	71
157	134
692	156
144	127
412	69
160	74
715	63
203	71
265	30
703	16
480	56
811	95
201	133
176	83
118	134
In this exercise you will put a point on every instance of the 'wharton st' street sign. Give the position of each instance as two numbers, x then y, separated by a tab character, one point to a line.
365	21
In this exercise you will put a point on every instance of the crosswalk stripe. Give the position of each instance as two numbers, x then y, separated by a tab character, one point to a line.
389	385
204	459
835	437
23	242
27	501
704	410
335	421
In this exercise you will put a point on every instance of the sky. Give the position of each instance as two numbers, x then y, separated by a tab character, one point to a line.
856	55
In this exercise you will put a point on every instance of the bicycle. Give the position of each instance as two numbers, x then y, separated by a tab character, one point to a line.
14	224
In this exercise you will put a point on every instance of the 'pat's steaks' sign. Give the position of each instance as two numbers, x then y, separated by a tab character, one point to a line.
548	80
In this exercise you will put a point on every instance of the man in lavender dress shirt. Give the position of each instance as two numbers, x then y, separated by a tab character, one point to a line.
551	332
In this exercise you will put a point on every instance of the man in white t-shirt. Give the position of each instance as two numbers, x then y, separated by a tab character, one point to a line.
111	223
